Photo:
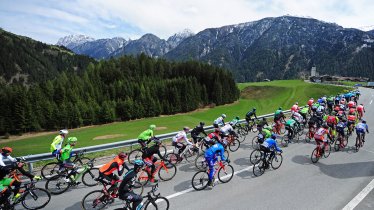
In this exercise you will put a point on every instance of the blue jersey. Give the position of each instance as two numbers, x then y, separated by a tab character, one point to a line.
215	149
362	127
271	144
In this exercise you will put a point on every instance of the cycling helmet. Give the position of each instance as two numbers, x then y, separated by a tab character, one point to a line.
324	125
186	128
311	98
364	121
138	164
280	108
63	131
254	108
72	139
273	136
297	103
333	113
202	123
122	155
231	123
7	150
237	117
223	115
152	127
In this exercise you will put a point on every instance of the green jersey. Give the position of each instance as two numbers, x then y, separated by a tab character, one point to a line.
267	133
277	113
290	122
145	135
57	143
65	152
316	104
304	110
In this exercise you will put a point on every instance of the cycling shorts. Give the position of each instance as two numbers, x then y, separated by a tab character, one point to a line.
340	130
360	130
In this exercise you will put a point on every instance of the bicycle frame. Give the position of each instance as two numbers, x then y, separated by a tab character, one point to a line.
216	169
158	166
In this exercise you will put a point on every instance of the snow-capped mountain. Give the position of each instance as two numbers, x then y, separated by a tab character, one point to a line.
101	48
72	41
177	38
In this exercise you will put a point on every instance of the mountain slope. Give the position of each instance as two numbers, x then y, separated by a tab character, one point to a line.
73	41
26	61
101	48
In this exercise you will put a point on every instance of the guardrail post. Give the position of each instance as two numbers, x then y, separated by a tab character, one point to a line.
31	168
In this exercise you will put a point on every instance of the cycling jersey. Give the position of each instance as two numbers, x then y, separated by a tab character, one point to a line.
2	157
125	189
215	150
310	102
66	152
320	109
181	135
296	116
331	120
320	134
340	127
295	108
146	135
304	110
219	121
361	127
57	143
226	129
290	123
352	118
360	108
113	165
271	144
234	122
250	114
278	114
267	133
351	104
151	151
197	130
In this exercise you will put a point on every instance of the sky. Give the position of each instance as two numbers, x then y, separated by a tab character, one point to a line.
49	20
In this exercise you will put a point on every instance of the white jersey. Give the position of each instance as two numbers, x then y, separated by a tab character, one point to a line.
2	158
296	116
181	135
320	109
227	128
219	121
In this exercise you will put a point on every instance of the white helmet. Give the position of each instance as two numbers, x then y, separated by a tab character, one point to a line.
64	131
223	115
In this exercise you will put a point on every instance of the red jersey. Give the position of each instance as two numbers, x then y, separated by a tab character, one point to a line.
360	108
331	120
351	104
310	102
295	108
351	118
337	108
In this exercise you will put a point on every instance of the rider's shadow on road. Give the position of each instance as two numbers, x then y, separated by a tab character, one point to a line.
242	161
187	167
182	186
341	170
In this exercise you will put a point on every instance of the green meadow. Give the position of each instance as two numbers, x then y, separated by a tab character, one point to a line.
265	96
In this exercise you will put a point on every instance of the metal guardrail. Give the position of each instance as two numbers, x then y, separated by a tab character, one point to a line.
102	147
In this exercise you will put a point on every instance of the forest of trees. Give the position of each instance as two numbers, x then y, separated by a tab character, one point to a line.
118	89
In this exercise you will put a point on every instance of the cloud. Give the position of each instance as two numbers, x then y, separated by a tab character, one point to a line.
163	18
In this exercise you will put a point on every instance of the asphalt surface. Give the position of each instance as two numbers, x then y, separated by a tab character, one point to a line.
298	184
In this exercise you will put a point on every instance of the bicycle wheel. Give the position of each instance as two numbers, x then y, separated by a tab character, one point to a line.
315	156
36	198
301	130
276	161
225	174
190	154
163	150
57	185
285	141
81	161
282	129
134	155
95	200
143	177
259	168
337	144
234	145
167	173
160	203
243	134
200	162
173	158
50	170
227	153
138	188
255	143
200	180
89	177
255	156
327	152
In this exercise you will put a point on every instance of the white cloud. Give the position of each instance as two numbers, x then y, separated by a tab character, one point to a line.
166	17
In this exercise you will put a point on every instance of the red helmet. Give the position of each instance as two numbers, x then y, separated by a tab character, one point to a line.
7	150
122	155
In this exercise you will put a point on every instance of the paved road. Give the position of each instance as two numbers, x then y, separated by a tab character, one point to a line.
298	184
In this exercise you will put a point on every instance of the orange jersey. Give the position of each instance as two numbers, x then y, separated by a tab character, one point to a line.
320	134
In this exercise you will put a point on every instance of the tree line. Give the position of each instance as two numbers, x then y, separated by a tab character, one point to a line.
113	90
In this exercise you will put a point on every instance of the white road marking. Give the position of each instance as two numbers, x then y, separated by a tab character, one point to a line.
191	189
359	197
371	101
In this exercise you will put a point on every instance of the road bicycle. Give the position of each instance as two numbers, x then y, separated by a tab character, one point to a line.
153	201
223	170
51	169
257	140
166	172
233	142
99	199
274	160
242	132
255	156
320	151
31	198
201	164
360	139
62	182
280	128
341	142
310	134
187	154
137	153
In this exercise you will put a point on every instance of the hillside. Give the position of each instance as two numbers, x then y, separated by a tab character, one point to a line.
26	61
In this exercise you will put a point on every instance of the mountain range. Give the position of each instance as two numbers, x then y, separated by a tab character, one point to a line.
275	48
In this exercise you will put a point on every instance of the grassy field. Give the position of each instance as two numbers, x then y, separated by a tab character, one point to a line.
265	96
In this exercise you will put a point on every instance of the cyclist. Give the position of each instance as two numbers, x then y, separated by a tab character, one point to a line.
146	136
303	112
341	127
219	121
295	108
212	138
361	128
351	120
125	191
234	122
57	143
266	133
6	169
262	123
196	132
337	99
278	115
107	171
315	107
351	104
310	102
330	103
227	130
268	146
177	140
319	136
211	158
248	116
298	118
66	154
315	120
331	121
290	127
149	159
360	110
